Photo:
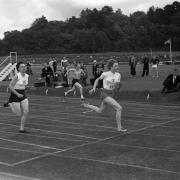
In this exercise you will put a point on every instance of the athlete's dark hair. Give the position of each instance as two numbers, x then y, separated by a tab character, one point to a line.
18	65
110	63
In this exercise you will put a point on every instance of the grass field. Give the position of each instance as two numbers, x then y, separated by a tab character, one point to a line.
68	143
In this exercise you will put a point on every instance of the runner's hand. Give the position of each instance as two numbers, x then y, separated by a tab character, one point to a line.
20	95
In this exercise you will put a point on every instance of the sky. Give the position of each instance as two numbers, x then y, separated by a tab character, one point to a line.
19	14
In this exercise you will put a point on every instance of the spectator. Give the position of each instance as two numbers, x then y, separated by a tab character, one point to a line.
64	62
85	75
145	62
29	70
94	69
98	69
55	66
155	63
132	64
70	74
51	65
172	82
47	73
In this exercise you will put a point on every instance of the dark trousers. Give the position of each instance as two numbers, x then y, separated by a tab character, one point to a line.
145	71
133	71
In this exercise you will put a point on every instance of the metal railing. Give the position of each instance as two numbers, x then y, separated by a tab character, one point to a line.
4	61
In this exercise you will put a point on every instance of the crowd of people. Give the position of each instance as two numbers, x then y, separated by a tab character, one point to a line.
146	61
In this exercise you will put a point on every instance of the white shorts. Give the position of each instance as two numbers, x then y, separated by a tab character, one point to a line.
154	66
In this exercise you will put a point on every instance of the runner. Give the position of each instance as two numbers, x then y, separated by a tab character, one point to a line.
18	101
76	82
111	83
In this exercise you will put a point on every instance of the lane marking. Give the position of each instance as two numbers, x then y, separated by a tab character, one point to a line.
90	143
17	176
54	132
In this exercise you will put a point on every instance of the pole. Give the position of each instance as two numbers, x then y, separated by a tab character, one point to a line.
151	52
170	49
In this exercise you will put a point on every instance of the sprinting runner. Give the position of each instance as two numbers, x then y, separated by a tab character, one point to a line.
18	101
111	83
76	82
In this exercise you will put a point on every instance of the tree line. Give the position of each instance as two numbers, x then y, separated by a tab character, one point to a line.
98	31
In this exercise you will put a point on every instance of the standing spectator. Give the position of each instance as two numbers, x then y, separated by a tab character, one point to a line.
51	65
155	63
55	65
47	73
145	62
70	73
29	70
94	69
85	75
64	62
172	82
132	64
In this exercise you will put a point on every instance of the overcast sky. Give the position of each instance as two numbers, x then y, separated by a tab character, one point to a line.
19	14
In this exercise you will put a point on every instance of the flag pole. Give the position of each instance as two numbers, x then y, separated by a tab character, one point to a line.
170	49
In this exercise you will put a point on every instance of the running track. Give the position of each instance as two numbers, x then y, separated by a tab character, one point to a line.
66	142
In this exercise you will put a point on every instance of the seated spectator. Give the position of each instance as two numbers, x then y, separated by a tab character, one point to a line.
172	82
47	73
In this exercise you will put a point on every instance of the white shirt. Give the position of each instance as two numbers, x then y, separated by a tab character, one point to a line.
174	78
22	81
110	79
78	73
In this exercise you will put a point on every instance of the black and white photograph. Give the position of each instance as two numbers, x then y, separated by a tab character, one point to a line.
89	90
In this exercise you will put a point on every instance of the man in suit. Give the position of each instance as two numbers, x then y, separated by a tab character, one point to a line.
172	82
132	64
48	74
145	62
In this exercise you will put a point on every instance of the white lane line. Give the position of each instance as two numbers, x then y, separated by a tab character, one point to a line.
5	164
82	136
70	128
72	123
31	144
135	109
134	103
42	136
119	164
21	150
82	123
141	147
90	143
158	135
17	176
